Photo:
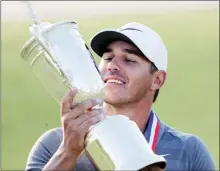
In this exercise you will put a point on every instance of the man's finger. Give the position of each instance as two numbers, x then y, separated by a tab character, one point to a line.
67	101
84	127
84	106
88	115
96	111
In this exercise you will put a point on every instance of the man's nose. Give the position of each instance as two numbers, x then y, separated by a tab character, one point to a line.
114	65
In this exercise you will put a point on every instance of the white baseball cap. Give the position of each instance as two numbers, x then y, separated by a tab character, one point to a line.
144	38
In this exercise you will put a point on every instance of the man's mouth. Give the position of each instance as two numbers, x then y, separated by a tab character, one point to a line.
114	81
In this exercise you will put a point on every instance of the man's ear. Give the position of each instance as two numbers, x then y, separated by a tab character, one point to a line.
158	80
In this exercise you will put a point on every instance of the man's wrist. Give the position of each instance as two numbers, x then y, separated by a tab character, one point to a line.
63	159
66	153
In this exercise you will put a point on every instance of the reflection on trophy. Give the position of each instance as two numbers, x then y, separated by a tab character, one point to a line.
60	58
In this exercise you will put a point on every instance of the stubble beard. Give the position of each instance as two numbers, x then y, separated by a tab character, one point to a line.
132	98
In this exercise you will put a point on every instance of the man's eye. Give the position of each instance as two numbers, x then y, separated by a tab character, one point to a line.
129	60
108	59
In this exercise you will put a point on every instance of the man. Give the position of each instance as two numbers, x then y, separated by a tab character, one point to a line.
134	68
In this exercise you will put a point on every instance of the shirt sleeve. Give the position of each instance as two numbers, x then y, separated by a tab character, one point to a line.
42	150
201	157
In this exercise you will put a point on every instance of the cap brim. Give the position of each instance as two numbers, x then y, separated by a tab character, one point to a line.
102	39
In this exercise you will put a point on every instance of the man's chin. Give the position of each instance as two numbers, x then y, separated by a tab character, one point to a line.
114	99
114	89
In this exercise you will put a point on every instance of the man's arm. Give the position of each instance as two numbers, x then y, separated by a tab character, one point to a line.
61	160
48	154
40	154
201	157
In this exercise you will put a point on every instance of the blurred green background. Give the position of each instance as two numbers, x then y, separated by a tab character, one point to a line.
188	102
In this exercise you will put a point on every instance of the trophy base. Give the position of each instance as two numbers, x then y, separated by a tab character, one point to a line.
116	143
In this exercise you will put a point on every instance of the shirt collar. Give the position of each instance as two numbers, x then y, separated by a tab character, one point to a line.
161	131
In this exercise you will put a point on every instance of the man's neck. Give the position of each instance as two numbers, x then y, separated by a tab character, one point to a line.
138	112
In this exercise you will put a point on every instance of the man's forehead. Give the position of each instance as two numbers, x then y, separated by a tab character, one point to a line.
119	43
125	45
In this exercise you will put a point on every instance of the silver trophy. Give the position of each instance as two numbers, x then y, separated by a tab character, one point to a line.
61	59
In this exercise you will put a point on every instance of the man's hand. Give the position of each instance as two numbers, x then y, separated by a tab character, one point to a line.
76	120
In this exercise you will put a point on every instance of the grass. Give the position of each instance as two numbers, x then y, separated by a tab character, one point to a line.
189	100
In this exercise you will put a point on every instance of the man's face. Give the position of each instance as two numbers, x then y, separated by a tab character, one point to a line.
126	73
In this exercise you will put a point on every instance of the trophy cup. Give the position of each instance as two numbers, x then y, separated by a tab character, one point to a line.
60	58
